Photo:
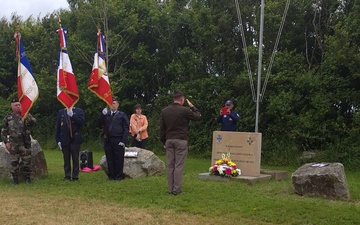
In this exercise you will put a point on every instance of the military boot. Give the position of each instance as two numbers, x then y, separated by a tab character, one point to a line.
28	180
15	180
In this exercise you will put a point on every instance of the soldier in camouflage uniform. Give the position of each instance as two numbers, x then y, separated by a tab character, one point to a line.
15	133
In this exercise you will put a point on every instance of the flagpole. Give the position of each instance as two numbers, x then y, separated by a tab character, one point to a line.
18	35
18	39
259	65
62	66
98	52
98	49
61	48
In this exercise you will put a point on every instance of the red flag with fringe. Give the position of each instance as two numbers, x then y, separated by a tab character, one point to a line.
28	91
99	81
67	90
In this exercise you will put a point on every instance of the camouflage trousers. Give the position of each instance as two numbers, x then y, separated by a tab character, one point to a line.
20	159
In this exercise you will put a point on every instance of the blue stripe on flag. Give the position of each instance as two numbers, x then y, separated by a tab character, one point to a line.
23	58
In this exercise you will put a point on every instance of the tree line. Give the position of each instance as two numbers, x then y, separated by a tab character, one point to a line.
153	46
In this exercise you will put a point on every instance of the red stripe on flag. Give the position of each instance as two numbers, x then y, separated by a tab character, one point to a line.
62	79
67	99
19	87
94	80
69	91
26	104
100	87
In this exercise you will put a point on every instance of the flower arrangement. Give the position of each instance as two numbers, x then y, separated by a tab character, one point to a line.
225	167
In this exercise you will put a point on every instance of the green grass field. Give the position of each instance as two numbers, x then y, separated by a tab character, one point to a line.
95	200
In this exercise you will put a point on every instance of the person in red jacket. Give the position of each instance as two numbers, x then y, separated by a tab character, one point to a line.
174	126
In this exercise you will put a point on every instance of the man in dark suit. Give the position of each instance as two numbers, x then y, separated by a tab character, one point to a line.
174	129
69	139
115	126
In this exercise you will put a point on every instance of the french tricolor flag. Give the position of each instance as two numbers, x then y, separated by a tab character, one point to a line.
28	91
67	91
99	81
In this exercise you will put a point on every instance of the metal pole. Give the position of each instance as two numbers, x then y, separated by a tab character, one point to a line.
259	64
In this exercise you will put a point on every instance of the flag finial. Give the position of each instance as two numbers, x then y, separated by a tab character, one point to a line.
17	29
17	37
60	22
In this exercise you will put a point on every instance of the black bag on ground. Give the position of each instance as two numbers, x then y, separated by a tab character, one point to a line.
86	159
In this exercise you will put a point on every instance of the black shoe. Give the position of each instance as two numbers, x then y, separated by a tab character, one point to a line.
66	179
75	179
15	180
28	180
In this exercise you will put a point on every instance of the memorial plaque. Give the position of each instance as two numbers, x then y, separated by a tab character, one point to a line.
244	148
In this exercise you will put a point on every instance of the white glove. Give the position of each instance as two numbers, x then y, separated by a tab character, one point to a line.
105	111
70	112
59	144
122	144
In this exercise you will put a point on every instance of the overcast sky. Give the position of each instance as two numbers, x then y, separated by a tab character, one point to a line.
25	8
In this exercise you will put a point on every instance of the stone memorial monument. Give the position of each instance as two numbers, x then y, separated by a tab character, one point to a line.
244	148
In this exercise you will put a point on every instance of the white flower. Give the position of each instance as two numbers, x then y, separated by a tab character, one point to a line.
223	167
221	170
238	171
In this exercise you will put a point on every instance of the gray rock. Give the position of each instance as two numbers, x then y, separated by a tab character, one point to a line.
145	164
38	162
327	180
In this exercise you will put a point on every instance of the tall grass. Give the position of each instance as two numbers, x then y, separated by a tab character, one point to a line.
203	202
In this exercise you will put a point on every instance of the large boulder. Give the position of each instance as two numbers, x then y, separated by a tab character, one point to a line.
38	162
145	164
325	180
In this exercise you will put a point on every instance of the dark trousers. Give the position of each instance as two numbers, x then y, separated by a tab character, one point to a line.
176	152
71	151
139	144
115	159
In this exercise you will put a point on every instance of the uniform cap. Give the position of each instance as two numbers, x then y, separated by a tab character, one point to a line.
228	102
178	93
14	100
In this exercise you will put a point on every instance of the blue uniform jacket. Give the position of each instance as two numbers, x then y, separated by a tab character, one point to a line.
229	122
63	128
116	127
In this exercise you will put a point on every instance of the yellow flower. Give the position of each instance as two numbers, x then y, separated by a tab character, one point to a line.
219	162
225	167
